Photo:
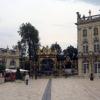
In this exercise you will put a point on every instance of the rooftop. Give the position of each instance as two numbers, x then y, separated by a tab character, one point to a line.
87	19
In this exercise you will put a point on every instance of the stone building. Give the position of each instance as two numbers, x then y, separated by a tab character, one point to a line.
9	58
88	30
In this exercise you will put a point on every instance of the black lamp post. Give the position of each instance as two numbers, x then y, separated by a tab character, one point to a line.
91	74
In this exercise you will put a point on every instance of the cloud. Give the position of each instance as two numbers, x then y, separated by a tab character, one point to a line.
54	19
94	2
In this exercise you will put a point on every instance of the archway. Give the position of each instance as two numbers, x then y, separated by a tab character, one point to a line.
47	66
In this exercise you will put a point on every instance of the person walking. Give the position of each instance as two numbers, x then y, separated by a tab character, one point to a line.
26	78
35	73
91	77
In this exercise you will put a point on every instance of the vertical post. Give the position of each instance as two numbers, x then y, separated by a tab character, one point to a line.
91	71
91	74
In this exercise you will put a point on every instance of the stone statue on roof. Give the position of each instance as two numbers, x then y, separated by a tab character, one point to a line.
78	15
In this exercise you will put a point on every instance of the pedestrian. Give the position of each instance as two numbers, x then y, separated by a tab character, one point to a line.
26	78
91	77
36	72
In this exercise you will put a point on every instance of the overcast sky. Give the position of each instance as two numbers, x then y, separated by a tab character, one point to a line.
54	19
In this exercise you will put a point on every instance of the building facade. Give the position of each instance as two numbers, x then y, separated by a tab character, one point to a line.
9	58
88	30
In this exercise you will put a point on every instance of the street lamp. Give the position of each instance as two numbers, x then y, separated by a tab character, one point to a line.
91	55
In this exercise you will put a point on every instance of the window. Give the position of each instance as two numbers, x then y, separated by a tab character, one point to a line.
96	47
12	63
95	31
13	52
85	41
84	33
2	61
85	48
85	67
97	67
96	39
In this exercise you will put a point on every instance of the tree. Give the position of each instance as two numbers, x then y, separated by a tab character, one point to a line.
22	52
71	52
2	67
56	47
29	40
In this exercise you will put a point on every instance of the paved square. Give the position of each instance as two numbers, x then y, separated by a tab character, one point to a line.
58	89
75	89
20	91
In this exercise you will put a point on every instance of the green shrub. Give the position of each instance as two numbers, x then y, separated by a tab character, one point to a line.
2	67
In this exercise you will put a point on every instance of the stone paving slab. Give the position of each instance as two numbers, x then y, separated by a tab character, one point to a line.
75	89
19	91
61	89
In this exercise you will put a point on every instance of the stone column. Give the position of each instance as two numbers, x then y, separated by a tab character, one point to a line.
90	62
8	63
80	69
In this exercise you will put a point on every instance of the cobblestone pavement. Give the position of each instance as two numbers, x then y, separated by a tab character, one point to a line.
75	89
20	91
61	89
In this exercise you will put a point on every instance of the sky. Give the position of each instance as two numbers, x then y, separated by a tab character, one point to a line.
54	19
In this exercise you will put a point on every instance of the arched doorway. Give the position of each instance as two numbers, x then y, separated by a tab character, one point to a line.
47	66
